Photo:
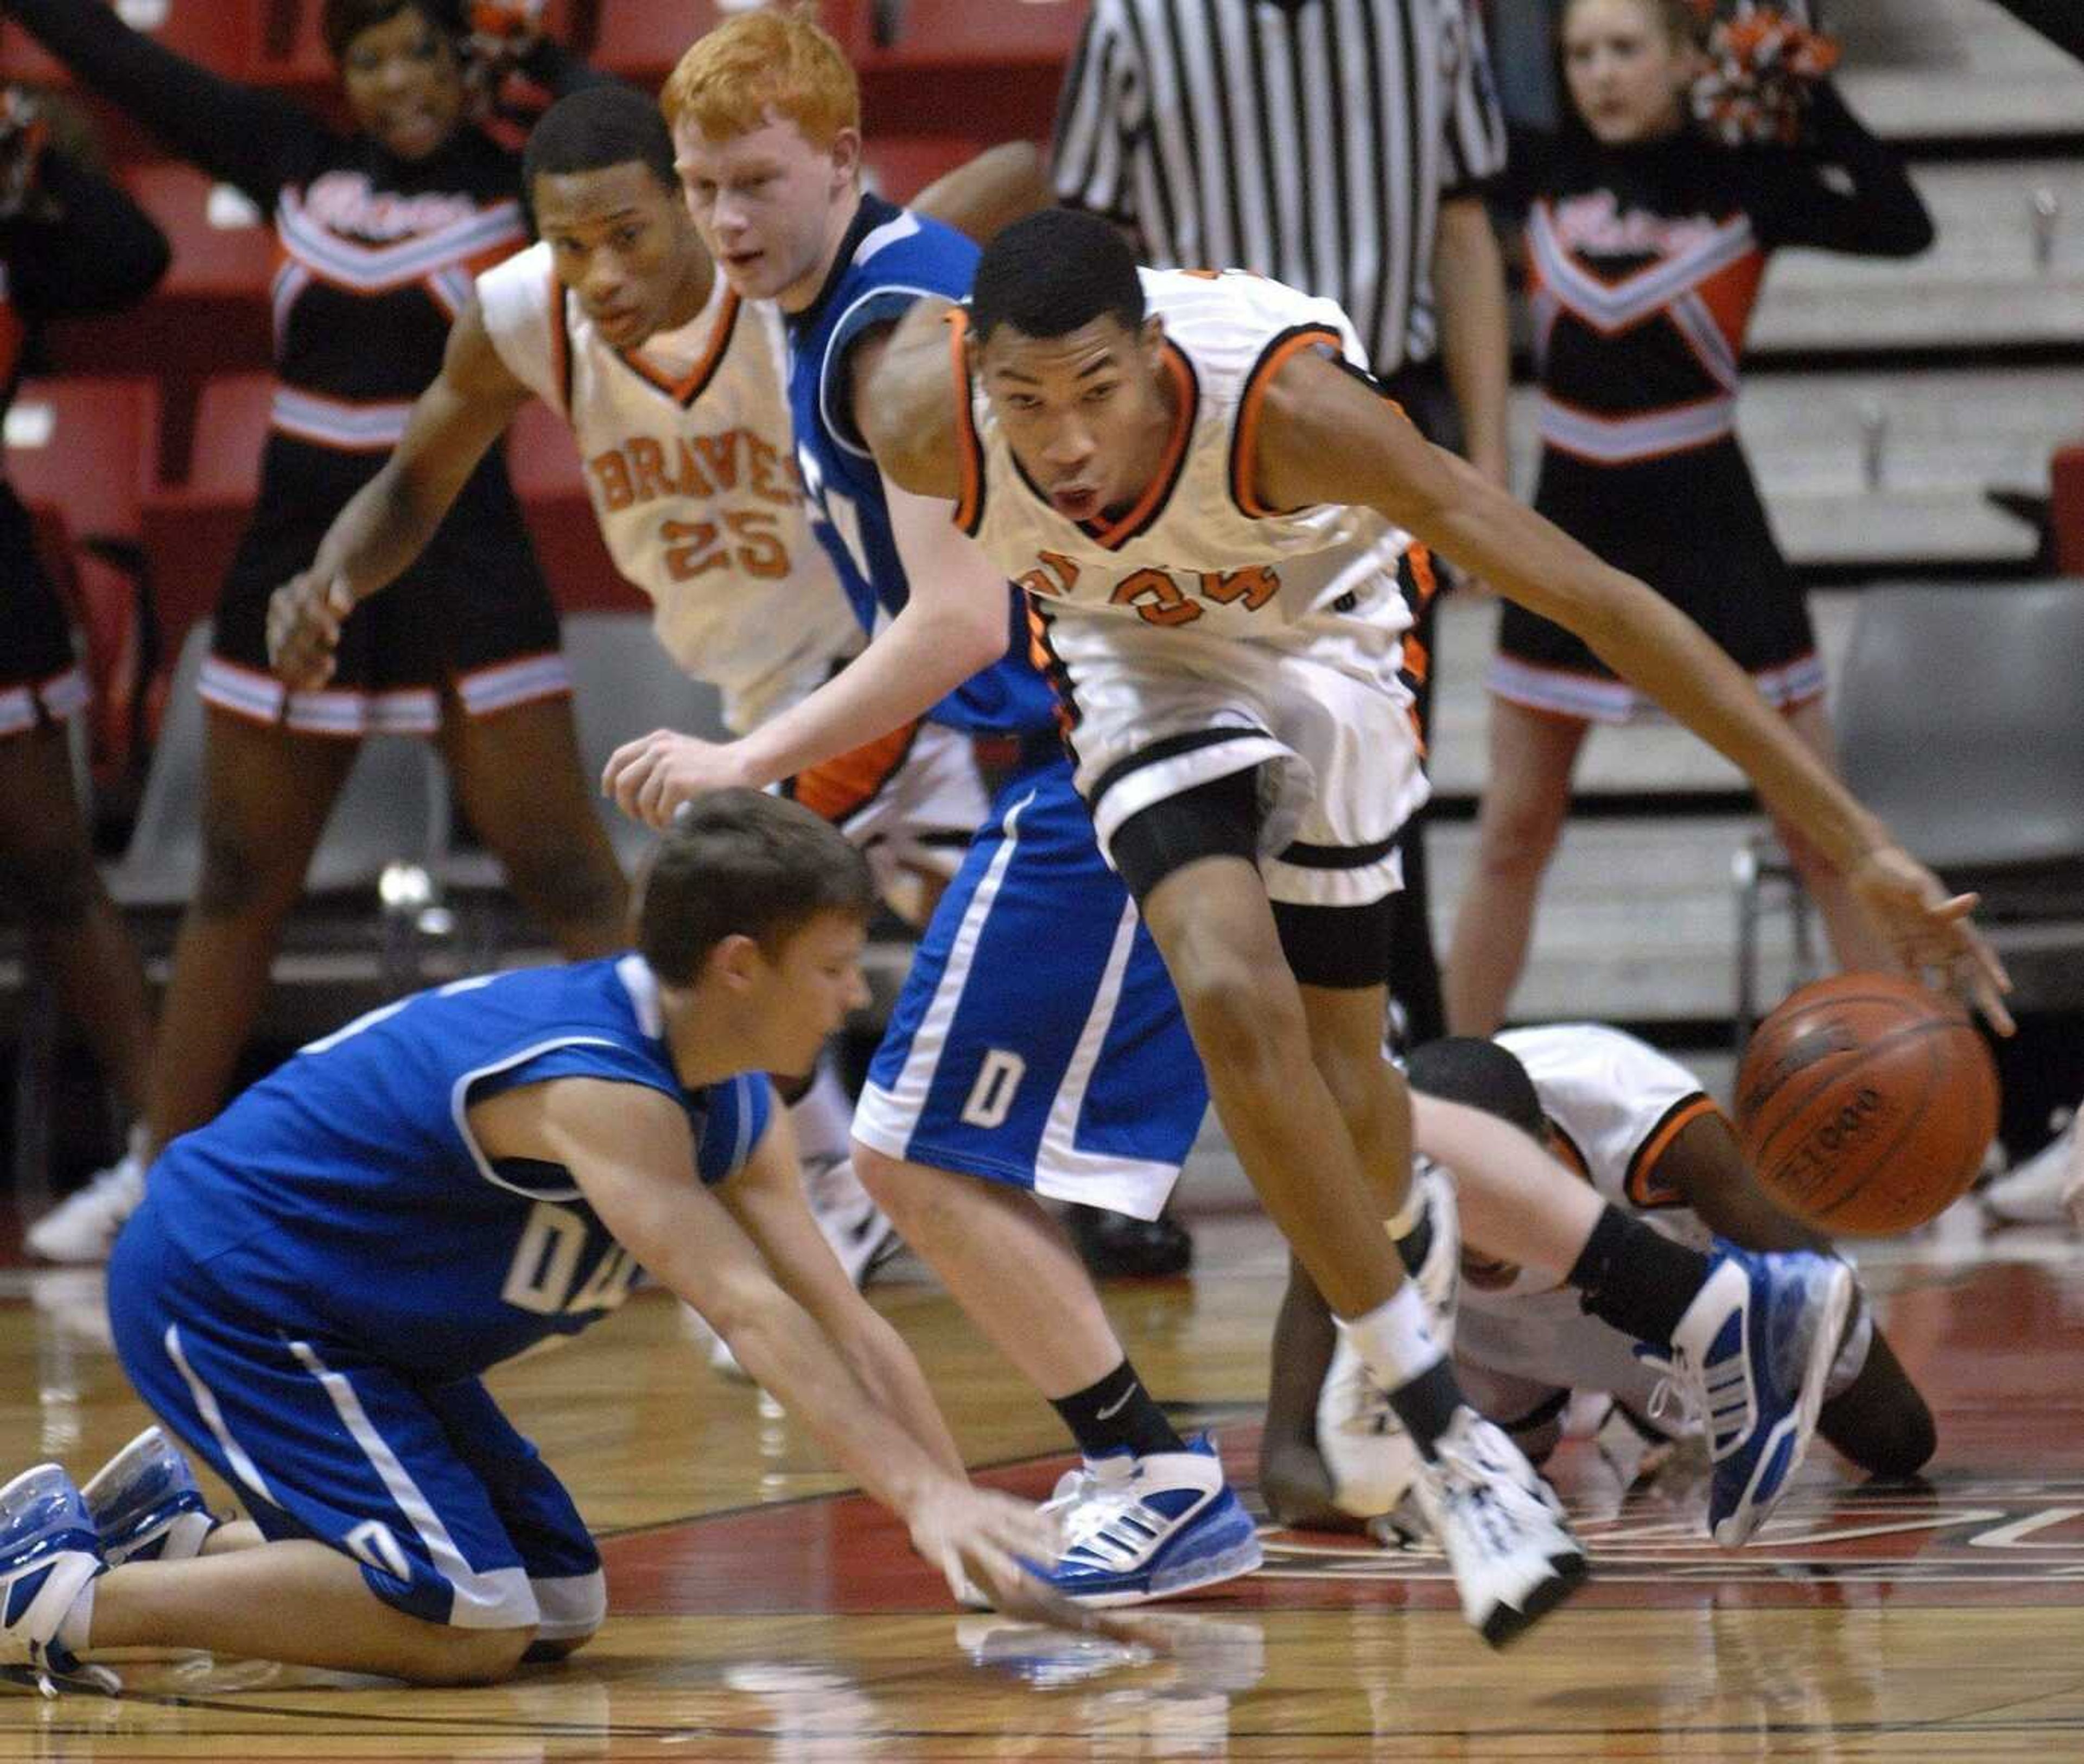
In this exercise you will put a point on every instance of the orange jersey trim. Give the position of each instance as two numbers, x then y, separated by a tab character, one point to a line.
969	504
561	347
1642	1187
685	392
1188	396
847	783
1245	444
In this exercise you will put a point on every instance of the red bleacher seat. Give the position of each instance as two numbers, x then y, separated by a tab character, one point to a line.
642	40
84	448
223	249
209	316
2066	485
78	454
944	33
191	530
228	36
551	483
959	67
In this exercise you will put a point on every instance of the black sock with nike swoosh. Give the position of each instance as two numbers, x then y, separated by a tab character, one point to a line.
1116	1413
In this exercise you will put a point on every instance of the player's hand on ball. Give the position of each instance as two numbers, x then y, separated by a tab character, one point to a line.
304	619
977	1539
1929	931
651	777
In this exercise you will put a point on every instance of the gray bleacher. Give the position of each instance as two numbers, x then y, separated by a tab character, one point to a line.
1883	401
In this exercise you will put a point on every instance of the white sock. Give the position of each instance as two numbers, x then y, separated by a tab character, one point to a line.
1395	1340
1405	1220
823	1116
78	1623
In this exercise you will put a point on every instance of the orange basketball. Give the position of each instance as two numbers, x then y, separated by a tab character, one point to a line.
1866	1104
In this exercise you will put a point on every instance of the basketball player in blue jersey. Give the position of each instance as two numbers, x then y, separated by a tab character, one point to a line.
318	1279
1037	1049
1209	503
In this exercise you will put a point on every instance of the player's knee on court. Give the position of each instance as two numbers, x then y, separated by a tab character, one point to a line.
474	1657
573	1609
49	886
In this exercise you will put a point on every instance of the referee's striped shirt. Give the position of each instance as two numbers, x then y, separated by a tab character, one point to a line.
1308	140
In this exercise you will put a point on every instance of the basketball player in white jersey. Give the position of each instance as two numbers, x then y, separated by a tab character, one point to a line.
672	387
1208	501
1625	1129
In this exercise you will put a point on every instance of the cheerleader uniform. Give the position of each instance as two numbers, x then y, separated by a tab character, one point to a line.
97	252
1646	262
375	256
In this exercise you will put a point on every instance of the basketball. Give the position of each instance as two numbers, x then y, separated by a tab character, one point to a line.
1865	1103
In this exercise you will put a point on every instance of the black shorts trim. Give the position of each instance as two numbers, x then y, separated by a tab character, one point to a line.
1341	949
1170	748
1550	1409
1305	857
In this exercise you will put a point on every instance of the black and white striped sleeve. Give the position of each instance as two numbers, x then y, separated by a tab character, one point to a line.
1099	113
1472	146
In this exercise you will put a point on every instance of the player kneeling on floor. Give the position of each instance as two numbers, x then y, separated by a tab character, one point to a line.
317	1280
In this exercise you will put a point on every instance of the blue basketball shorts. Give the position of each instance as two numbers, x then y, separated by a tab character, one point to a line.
1038	1040
452	1514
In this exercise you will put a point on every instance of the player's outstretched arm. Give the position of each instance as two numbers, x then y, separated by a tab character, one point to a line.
957	620
388	523
1327	436
629	1150
766	1198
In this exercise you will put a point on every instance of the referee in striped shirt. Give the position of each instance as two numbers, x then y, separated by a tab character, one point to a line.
1339	147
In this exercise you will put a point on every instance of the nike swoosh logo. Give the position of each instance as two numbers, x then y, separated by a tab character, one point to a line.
1118	1405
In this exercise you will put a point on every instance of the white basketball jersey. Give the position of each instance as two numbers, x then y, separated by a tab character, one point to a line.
690	463
1616	1104
1198	551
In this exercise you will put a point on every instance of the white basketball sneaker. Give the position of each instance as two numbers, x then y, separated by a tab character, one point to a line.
852	1223
2035	1191
145	1504
47	1553
1138	1528
82	1227
1513	1558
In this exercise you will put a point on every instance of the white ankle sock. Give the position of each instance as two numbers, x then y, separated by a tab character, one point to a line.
78	1623
1396	1339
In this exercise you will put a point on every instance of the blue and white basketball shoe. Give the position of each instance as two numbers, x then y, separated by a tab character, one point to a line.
48	1552
1138	1528
1751	1357
145	1505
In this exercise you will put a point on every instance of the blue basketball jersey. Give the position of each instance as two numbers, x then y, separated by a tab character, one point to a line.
344	1193
889	259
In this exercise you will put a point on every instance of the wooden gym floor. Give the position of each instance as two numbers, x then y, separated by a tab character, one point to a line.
759	1612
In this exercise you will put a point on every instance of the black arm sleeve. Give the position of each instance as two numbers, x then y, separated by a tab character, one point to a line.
1880	214
256	140
99	254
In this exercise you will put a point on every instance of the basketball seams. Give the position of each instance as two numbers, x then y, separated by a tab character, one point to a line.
1883	1160
1830	1056
1833	1070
